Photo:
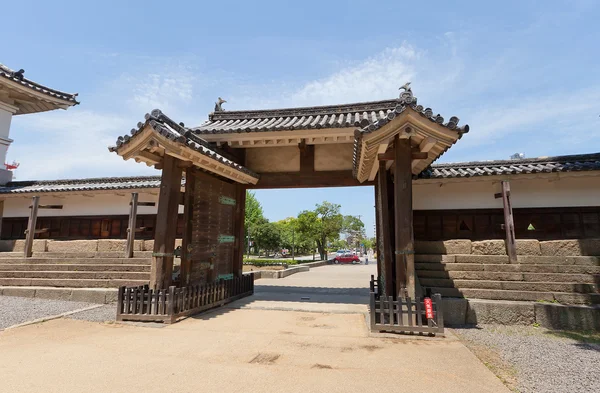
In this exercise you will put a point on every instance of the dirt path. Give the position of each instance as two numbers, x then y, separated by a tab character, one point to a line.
235	350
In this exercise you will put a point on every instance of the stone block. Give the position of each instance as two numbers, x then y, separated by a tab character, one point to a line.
22	292
500	312
89	295
455	311
559	316
39	245
149	244
118	245
70	246
459	246
109	245
53	293
561	248
489	247
111	296
528	247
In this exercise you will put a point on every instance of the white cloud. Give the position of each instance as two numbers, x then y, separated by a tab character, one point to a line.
377	77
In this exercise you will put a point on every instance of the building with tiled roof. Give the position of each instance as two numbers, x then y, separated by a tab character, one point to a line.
559	189
19	96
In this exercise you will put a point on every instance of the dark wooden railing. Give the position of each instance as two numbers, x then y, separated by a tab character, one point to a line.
167	305
405	315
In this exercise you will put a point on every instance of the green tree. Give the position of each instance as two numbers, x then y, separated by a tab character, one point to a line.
354	229
321	225
254	216
267	236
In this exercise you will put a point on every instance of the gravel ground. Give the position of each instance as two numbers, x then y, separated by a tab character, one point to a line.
15	310
529	359
105	313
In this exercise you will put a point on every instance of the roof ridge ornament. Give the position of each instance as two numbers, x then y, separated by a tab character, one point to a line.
218	107
18	74
407	96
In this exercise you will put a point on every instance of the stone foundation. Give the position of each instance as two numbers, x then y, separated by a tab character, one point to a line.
583	247
79	246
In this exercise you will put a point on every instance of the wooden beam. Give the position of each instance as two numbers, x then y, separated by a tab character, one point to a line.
132	224
312	179
166	224
391	155
30	233
405	266
509	225
427	144
384	241
188	213
240	214
307	157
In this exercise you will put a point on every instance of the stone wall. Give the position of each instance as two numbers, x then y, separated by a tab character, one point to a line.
78	246
583	247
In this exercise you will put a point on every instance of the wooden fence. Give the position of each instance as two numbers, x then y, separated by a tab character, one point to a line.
167	305
406	315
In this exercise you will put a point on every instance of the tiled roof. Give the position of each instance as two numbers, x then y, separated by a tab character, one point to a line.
581	162
10	74
168	128
572	163
94	184
359	115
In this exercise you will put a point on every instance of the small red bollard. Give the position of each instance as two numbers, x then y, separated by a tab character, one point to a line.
428	308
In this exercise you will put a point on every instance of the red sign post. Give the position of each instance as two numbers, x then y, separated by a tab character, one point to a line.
428	308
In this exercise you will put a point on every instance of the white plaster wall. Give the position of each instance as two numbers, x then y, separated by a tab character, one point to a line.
273	159
77	205
567	191
5	120
334	157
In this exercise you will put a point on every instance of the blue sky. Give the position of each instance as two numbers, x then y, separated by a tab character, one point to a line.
523	74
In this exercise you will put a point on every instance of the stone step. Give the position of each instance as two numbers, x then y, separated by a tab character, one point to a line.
78	261
90	295
502	259
509	276
71	283
567	287
77	275
107	254
73	267
531	296
522	268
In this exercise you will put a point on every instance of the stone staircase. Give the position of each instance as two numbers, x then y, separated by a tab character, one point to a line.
83	276
562	279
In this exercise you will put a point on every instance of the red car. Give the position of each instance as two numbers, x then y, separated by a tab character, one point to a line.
346	258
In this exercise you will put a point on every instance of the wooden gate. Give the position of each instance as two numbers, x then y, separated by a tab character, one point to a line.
213	240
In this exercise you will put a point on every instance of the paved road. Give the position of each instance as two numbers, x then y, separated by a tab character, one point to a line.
331	288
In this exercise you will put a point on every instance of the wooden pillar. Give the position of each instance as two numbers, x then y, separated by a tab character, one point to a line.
188	215
166	224
240	215
405	258
1	216
31	226
378	232
132	224
385	241
509	225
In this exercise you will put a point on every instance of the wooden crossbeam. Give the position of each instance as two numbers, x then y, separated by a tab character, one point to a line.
415	155
145	203
48	207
